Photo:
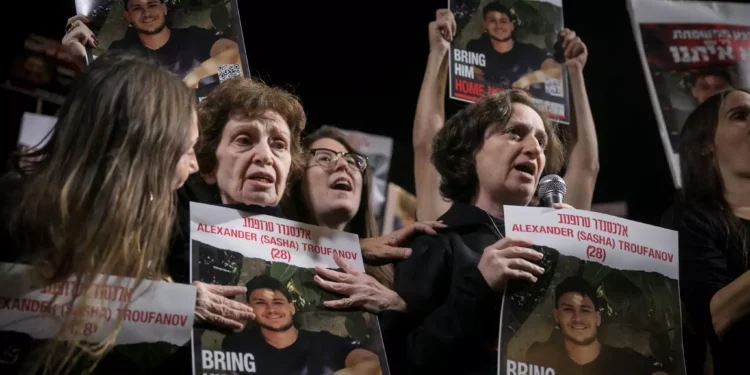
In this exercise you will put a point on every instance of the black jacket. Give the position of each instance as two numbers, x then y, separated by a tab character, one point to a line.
453	319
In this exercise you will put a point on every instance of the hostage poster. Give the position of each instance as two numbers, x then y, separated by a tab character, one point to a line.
153	319
201	42
43	69
690	51
505	44
293	333
607	303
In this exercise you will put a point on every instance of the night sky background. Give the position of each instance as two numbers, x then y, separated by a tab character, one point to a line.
359	65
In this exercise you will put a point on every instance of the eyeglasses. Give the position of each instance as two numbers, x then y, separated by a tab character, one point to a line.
328	158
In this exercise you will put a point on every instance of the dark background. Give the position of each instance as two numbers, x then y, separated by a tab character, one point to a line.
359	65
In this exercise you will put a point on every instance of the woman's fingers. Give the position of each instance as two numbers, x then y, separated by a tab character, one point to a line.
521	252
525	265
343	303
330	286
222	321
521	275
332	275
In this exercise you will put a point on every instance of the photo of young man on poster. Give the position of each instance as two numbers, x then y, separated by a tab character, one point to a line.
197	54
708	82
508	62
280	347
578	318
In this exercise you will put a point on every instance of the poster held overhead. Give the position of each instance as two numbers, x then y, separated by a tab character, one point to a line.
505	44
201	43
689	51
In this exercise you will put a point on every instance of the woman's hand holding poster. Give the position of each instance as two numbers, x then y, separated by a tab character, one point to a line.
292	333
607	303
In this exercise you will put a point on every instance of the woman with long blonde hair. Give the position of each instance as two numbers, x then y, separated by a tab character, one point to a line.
98	198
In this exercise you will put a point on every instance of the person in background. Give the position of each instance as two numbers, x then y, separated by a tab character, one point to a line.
712	218
333	193
583	162
490	154
193	53
709	82
77	206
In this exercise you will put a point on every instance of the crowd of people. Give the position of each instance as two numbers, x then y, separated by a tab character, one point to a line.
109	194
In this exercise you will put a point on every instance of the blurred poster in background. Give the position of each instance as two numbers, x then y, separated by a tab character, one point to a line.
42	69
689	50
400	209
35	131
379	150
205	44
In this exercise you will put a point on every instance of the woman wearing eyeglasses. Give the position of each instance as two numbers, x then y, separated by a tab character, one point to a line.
333	192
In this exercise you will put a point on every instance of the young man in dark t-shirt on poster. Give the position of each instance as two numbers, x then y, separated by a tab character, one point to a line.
193	53
278	347
509	63
580	352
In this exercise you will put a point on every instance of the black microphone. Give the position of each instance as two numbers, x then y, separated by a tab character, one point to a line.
552	189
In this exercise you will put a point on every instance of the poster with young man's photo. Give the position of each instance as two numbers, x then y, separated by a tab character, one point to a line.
42	69
690	50
607	303
292	332
510	44
200	42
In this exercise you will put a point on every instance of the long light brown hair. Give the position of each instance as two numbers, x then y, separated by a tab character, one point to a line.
362	224
97	199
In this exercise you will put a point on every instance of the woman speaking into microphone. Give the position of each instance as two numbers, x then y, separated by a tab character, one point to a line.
490	154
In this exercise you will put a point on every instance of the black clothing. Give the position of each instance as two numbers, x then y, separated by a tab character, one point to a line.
185	50
453	319
611	360
314	353
196	189
506	68
708	263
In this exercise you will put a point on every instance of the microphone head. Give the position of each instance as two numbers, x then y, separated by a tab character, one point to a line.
552	183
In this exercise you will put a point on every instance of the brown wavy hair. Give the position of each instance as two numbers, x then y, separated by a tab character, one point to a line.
363	224
249	98
455	145
97	199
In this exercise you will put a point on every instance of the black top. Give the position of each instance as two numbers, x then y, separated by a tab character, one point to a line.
314	353
708	264
453	320
185	50
611	360
506	68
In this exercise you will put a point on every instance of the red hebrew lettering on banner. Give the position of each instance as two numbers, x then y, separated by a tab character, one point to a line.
680	46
